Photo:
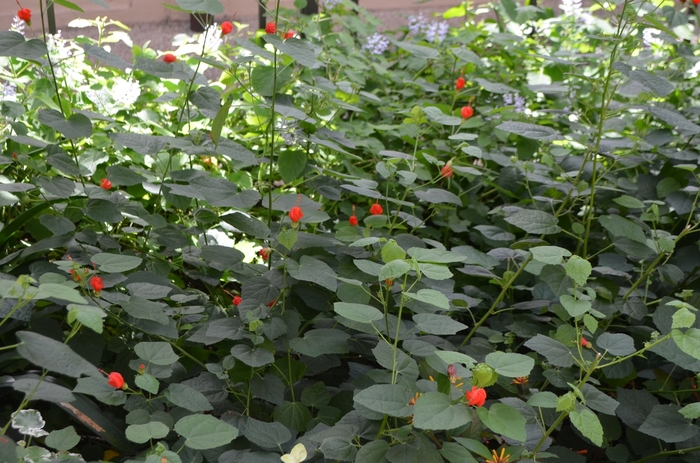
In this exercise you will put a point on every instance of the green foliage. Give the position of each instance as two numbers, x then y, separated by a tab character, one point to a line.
161	291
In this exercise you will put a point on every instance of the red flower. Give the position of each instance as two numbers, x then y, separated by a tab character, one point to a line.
460	83
289	34
97	284
116	380
585	343
446	170
295	214
264	253
271	28
476	397
237	300
376	209
169	58
353	220
226	27
106	184
271	303
25	14
467	112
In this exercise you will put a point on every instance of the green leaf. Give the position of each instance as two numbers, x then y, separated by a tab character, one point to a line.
392	251
655	83
683	318
313	270
316	396
555	352
76	126
543	400
357	312
253	357
436	115
53	355
535	222
387	399
578	269
432	297
266	435
688	342
675	119
142	433
147	382
207	100
418	51
59	291
435	256
532	131
394	270
69	5
297	49
691	411
13	44
373	452
455	453
63	439
288	238
504	419
219	121
552	255
294	415
573	306
616	343
395	360
435	411
510	365
116	263
187	398
438	196
437	324
263	79
202	432
588	423
158	353
247	224
102	210
291	163
620	227
212	7
89	315
629	202
665	422
321	341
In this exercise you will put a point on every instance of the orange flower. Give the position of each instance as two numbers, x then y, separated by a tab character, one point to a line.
446	170
520	380
467	112
116	380
496	458
476	397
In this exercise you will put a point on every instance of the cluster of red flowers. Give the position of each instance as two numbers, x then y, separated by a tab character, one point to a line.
467	111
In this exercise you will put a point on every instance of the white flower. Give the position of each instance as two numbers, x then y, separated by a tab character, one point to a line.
571	7
125	92
17	25
417	24
29	423
437	31
210	39
376	44
649	39
328	4
9	92
297	455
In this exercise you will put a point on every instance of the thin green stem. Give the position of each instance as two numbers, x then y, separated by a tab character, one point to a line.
668	453
498	300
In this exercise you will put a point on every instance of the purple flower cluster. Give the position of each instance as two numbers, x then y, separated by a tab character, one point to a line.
376	44
510	99
435	31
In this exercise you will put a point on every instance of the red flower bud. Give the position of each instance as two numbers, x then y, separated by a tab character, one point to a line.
289	34
376	209
446	171
451	371
467	112
585	343
116	380
460	83
169	58
271	28
106	184
476	397
264	253
237	300
353	220
295	214
226	27
271	303
97	284
25	14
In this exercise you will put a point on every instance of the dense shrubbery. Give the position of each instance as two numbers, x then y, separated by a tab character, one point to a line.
433	244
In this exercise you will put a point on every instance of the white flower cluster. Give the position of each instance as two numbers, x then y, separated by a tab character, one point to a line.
210	39
376	44
329	4
17	25
123	94
649	37
571	7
